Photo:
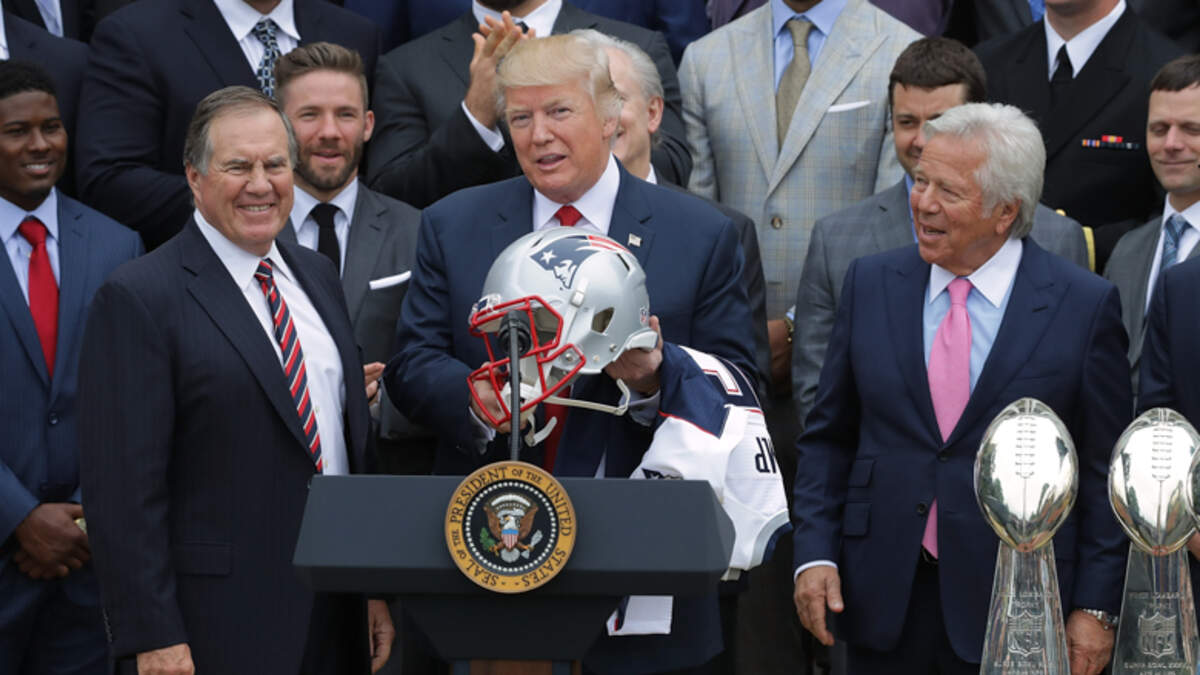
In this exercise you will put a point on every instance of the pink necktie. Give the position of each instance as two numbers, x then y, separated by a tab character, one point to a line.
949	379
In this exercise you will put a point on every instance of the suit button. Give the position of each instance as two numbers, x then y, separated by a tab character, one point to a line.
944	456
777	222
53	419
922	508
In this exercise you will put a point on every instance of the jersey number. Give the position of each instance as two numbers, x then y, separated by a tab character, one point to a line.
764	461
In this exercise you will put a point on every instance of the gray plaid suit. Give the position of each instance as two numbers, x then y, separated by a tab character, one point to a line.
876	224
837	150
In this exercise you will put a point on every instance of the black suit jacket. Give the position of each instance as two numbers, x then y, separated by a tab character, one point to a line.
150	64
195	470
64	60
1110	190
425	147
78	16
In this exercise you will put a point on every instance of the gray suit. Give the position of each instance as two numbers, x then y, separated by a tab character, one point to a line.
382	243
876	224
1129	270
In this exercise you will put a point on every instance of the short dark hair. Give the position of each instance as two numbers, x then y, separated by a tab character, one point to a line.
17	77
935	62
318	56
197	146
1177	75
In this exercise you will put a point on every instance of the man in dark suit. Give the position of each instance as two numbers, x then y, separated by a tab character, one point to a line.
693	266
931	76
368	236
436	102
239	356
152	62
1081	73
60	251
930	343
1144	253
71	19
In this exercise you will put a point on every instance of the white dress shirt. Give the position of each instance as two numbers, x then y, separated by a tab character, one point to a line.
308	232
19	249
3	39
241	18
51	16
1187	241
323	361
596	205
541	20
1081	47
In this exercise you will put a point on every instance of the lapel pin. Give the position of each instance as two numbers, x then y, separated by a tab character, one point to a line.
635	240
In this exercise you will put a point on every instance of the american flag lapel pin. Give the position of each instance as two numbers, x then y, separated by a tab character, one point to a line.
634	240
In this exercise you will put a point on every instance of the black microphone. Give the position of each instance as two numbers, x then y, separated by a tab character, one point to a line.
515	336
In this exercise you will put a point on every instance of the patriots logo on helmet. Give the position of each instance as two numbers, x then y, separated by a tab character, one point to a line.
562	257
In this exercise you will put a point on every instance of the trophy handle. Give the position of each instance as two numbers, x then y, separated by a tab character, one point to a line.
1025	631
1157	632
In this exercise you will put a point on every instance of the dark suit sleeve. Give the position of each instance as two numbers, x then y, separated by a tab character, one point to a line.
1154	385
412	160
722	323
1102	412
828	444
119	138
670	155
126	411
756	293
424	381
815	307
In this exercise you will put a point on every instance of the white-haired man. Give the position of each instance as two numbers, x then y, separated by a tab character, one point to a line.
930	343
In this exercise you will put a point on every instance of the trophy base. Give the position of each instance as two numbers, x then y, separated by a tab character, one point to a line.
1157	633
1025	632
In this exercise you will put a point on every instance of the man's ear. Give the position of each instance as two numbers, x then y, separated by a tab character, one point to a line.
655	110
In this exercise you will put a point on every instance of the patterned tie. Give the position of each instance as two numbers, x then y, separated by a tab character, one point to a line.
264	30
794	77
1172	231
293	359
327	242
43	290
568	215
949	379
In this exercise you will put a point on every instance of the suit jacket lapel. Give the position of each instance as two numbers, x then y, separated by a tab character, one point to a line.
753	73
849	45
215	43
363	248
631	218
1139	284
1030	309
456	47
1027	82
895	227
21	43
514	217
73	275
12	301
214	290
1102	78
905	300
570	18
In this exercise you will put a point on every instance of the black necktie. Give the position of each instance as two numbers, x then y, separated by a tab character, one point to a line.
1063	74
327	242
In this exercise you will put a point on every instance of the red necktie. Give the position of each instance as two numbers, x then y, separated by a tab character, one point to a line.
43	290
568	215
949	379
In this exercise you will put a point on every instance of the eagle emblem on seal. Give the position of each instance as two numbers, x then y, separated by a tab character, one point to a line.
510	519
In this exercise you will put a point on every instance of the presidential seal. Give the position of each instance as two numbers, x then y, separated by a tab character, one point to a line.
510	527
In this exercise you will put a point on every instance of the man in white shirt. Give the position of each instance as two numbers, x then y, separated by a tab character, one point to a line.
219	375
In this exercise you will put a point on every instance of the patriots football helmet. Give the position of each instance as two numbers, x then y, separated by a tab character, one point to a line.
584	296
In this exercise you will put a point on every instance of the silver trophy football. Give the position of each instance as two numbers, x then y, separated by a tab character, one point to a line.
1149	486
1026	478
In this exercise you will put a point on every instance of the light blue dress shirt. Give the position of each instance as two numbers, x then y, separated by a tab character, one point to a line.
991	287
822	17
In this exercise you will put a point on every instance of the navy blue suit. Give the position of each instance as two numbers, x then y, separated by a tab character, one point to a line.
871	458
39	458
195	469
1169	356
693	265
151	63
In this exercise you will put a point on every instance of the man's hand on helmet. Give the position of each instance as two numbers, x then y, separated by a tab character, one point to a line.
639	367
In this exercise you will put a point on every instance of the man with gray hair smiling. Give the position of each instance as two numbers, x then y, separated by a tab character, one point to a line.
930	342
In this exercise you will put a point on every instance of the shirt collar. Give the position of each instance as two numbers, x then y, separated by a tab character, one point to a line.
241	17
596	205
652	178
541	19
822	16
3	36
303	203
11	216
240	263
1191	214
1082	46
992	279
